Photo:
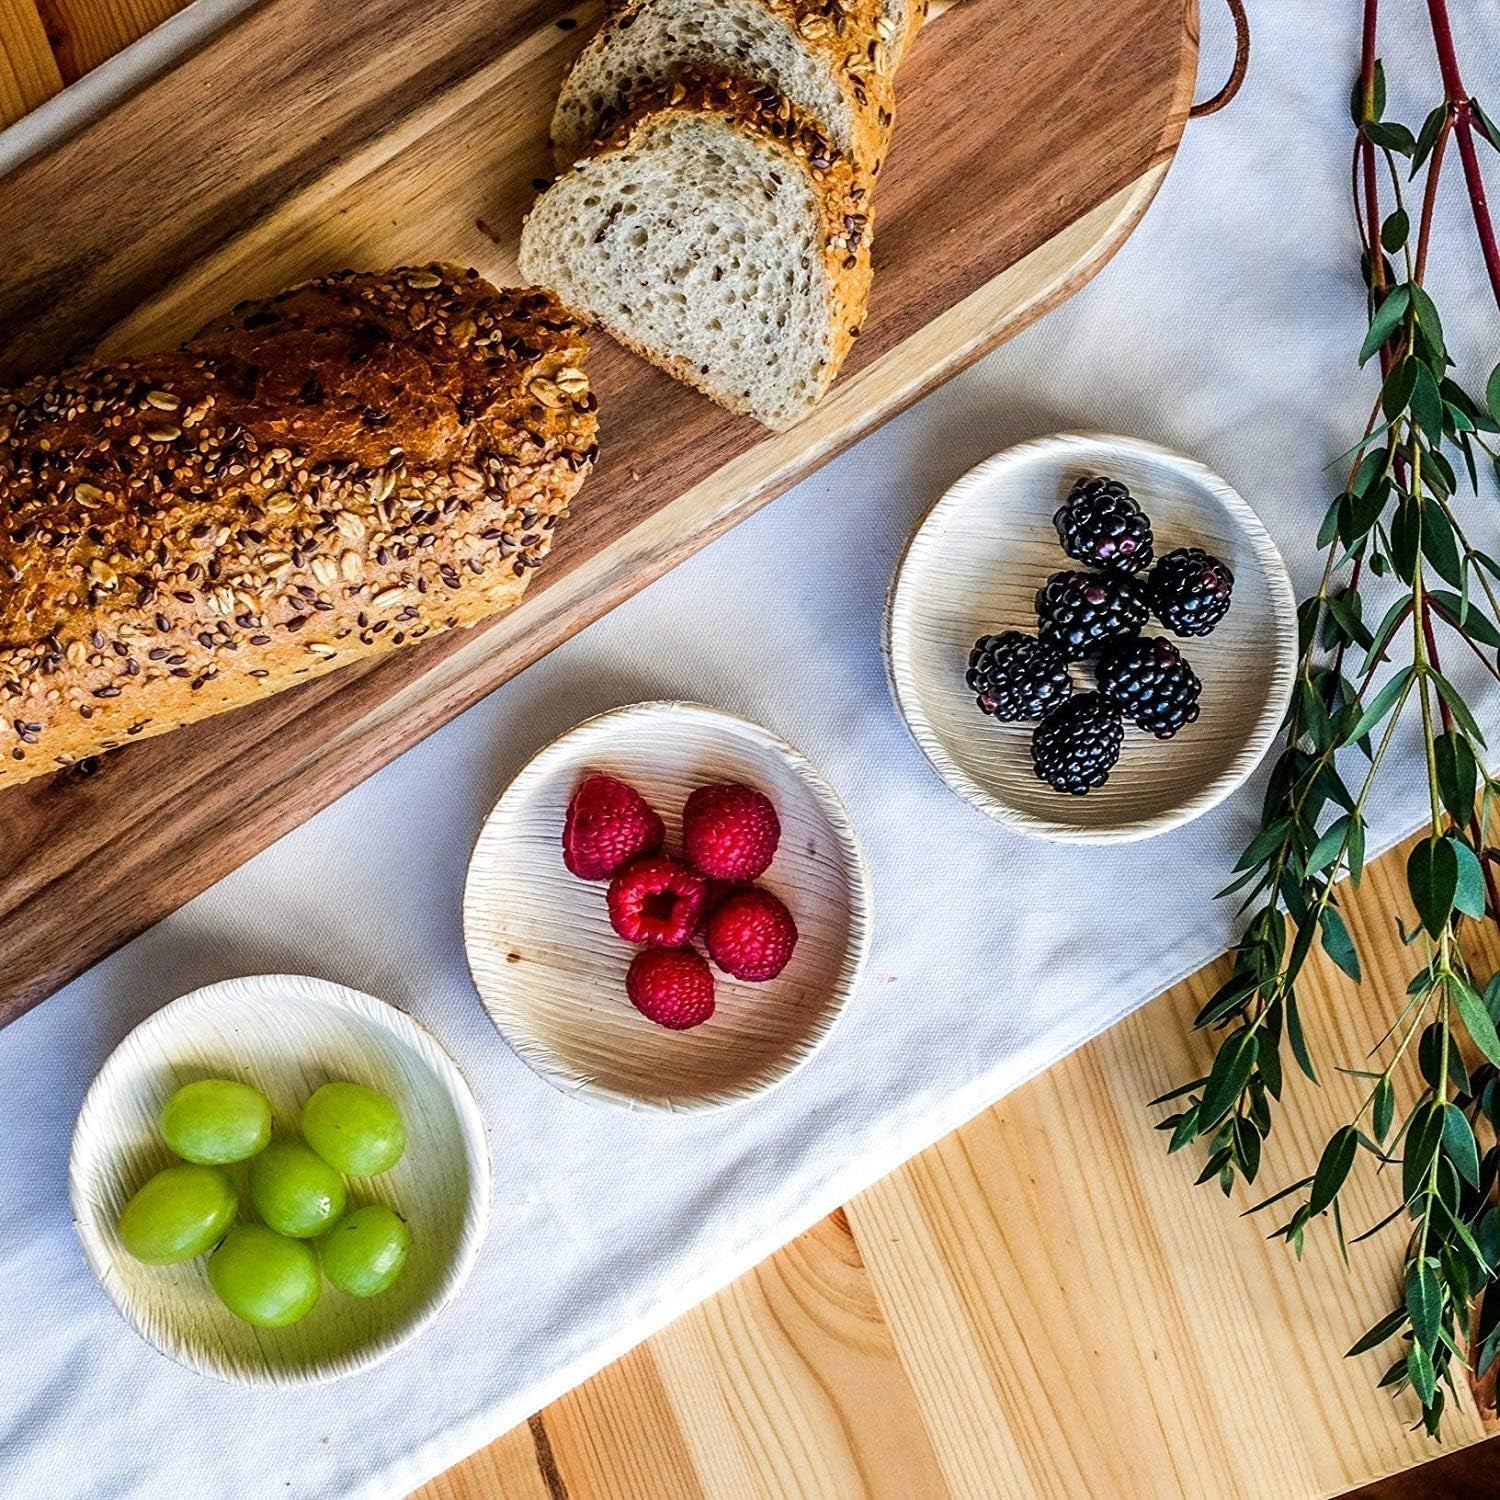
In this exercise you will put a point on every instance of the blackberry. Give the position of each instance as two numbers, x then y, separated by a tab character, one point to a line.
1016	676
1101	524
1189	591
1153	686
1079	611
1076	746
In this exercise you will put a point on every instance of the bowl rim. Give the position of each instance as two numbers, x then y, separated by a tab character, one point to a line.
901	678
861	903
413	1034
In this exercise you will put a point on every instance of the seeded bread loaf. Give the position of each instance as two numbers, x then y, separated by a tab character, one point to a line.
833	59
718	232
325	475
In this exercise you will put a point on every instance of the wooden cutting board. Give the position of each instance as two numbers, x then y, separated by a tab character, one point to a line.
309	135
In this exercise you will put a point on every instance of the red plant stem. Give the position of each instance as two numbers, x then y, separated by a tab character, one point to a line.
1429	198
1462	113
1367	61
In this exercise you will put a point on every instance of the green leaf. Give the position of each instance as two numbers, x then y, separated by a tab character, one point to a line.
1459	1145
1390	136
1231	1071
1333	1169
1295	1036
1427	136
1186	1130
1492	393
1330	527
1381	704
1476	1019
1420	1372
1341	607
1394	231
1383	1108
1424	1302
1215	1164
1378	1333
1468	897
1357	97
1487	127
1338	945
1427	407
1177	1093
1229	997
1395	394
1458	776
1427	318
1423	1137
1438	543
1328	848
1475	621
1406	539
1460	709
1387	628
1387	317
1263	845
1432	878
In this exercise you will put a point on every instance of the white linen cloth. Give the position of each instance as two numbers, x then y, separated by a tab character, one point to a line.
1225	328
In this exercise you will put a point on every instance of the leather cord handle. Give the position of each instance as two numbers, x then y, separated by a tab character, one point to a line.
1237	73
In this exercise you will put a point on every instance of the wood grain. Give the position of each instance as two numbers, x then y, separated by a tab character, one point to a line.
85	33
621	1434
1071	1317
28	70
441	109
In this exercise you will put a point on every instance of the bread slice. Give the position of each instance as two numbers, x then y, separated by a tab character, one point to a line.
905	18
717	232
832	58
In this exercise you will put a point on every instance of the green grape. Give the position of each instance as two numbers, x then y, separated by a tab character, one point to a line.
179	1213
216	1120
364	1252
295	1191
265	1278
354	1129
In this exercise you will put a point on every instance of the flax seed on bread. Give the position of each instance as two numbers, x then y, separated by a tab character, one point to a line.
322	476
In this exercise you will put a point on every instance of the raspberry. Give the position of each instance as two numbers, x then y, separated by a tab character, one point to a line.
608	825
730	832
657	902
752	935
672	986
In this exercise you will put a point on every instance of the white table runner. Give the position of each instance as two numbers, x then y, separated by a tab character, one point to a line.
1225	328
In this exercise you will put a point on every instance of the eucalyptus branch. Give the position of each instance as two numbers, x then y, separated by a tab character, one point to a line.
1391	529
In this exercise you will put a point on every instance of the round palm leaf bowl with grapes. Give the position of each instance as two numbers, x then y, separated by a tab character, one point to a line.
973	568
284	1036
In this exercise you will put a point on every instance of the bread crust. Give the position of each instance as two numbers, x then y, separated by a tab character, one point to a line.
842	189
857	39
322	476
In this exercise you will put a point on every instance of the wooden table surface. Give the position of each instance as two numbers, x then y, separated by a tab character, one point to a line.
1039	1305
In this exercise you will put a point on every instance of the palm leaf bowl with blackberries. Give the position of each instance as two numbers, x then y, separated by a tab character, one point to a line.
1091	638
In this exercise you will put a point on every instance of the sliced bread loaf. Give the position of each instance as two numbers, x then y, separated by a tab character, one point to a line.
832	58
717	232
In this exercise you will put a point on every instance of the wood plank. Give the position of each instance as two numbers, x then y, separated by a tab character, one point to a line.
971	246
784	1386
1071	1315
86	33
28	70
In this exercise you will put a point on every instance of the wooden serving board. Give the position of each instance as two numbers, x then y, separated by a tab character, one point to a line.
1030	137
